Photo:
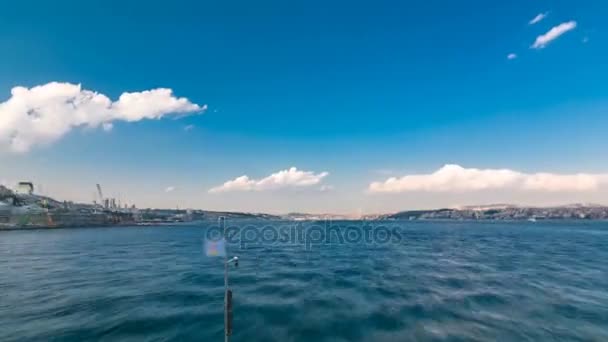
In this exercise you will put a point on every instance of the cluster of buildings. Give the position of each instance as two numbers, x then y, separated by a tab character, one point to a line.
21	207
505	212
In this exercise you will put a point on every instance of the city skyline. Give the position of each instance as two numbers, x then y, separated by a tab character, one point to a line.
324	108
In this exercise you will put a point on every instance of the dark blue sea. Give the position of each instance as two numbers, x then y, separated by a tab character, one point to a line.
439	281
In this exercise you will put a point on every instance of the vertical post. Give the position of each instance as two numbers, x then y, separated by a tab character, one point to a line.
227	325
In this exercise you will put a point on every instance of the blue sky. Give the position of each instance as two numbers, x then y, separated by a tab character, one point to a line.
362	90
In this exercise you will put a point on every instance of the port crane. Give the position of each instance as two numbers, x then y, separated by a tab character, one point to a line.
100	193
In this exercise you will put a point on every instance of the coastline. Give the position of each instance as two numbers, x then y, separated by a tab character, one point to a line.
336	222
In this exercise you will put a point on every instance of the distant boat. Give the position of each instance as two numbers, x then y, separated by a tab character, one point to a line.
532	219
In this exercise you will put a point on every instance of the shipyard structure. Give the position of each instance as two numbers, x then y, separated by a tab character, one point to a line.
22	208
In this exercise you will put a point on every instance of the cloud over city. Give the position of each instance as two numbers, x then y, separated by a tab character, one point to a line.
289	178
537	19
554	33
43	114
455	178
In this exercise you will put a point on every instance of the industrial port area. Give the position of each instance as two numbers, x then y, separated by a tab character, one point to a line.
22	208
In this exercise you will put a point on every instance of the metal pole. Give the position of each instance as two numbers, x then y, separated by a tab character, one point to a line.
226	318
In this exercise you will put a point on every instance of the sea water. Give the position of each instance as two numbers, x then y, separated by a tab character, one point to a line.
438	281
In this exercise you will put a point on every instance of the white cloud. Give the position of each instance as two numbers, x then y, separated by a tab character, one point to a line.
188	128
455	178
558	182
538	18
511	56
290	178
554	33
169	189
43	114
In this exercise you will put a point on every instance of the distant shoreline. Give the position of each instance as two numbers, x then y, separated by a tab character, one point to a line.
391	221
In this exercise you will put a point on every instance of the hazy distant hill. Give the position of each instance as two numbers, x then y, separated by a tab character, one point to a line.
505	212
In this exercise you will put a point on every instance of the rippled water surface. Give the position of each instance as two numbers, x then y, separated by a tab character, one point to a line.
442	282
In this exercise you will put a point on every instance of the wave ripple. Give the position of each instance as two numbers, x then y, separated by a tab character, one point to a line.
442	282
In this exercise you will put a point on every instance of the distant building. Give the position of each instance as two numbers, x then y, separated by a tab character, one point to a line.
5	212
5	192
25	188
